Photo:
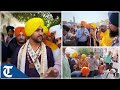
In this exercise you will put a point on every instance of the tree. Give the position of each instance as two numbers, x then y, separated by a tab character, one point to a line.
48	18
85	50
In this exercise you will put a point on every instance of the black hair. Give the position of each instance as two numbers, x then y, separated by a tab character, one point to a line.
101	63
92	53
66	28
10	27
110	66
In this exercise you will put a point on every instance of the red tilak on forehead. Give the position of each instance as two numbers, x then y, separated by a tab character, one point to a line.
20	30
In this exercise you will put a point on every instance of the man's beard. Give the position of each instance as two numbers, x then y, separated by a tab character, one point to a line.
82	26
59	45
103	30
91	56
21	43
39	39
113	33
11	36
53	40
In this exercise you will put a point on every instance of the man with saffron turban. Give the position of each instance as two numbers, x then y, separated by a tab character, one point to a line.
82	35
17	41
85	71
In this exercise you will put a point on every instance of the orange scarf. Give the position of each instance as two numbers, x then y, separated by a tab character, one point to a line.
50	44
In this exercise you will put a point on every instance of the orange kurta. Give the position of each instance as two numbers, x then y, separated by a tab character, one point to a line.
83	63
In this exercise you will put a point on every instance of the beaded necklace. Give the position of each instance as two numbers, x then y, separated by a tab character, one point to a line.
28	56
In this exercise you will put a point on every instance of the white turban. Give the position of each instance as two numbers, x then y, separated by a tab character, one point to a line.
113	70
103	23
54	28
69	50
58	33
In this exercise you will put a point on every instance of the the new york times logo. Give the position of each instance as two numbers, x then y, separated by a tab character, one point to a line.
6	71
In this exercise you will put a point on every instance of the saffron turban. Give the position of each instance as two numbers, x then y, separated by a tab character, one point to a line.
88	26
32	24
83	23
85	71
18	30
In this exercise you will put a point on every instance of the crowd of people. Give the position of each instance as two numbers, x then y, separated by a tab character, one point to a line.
34	49
79	65
91	34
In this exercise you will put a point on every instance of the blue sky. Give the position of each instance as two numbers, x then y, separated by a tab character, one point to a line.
88	16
